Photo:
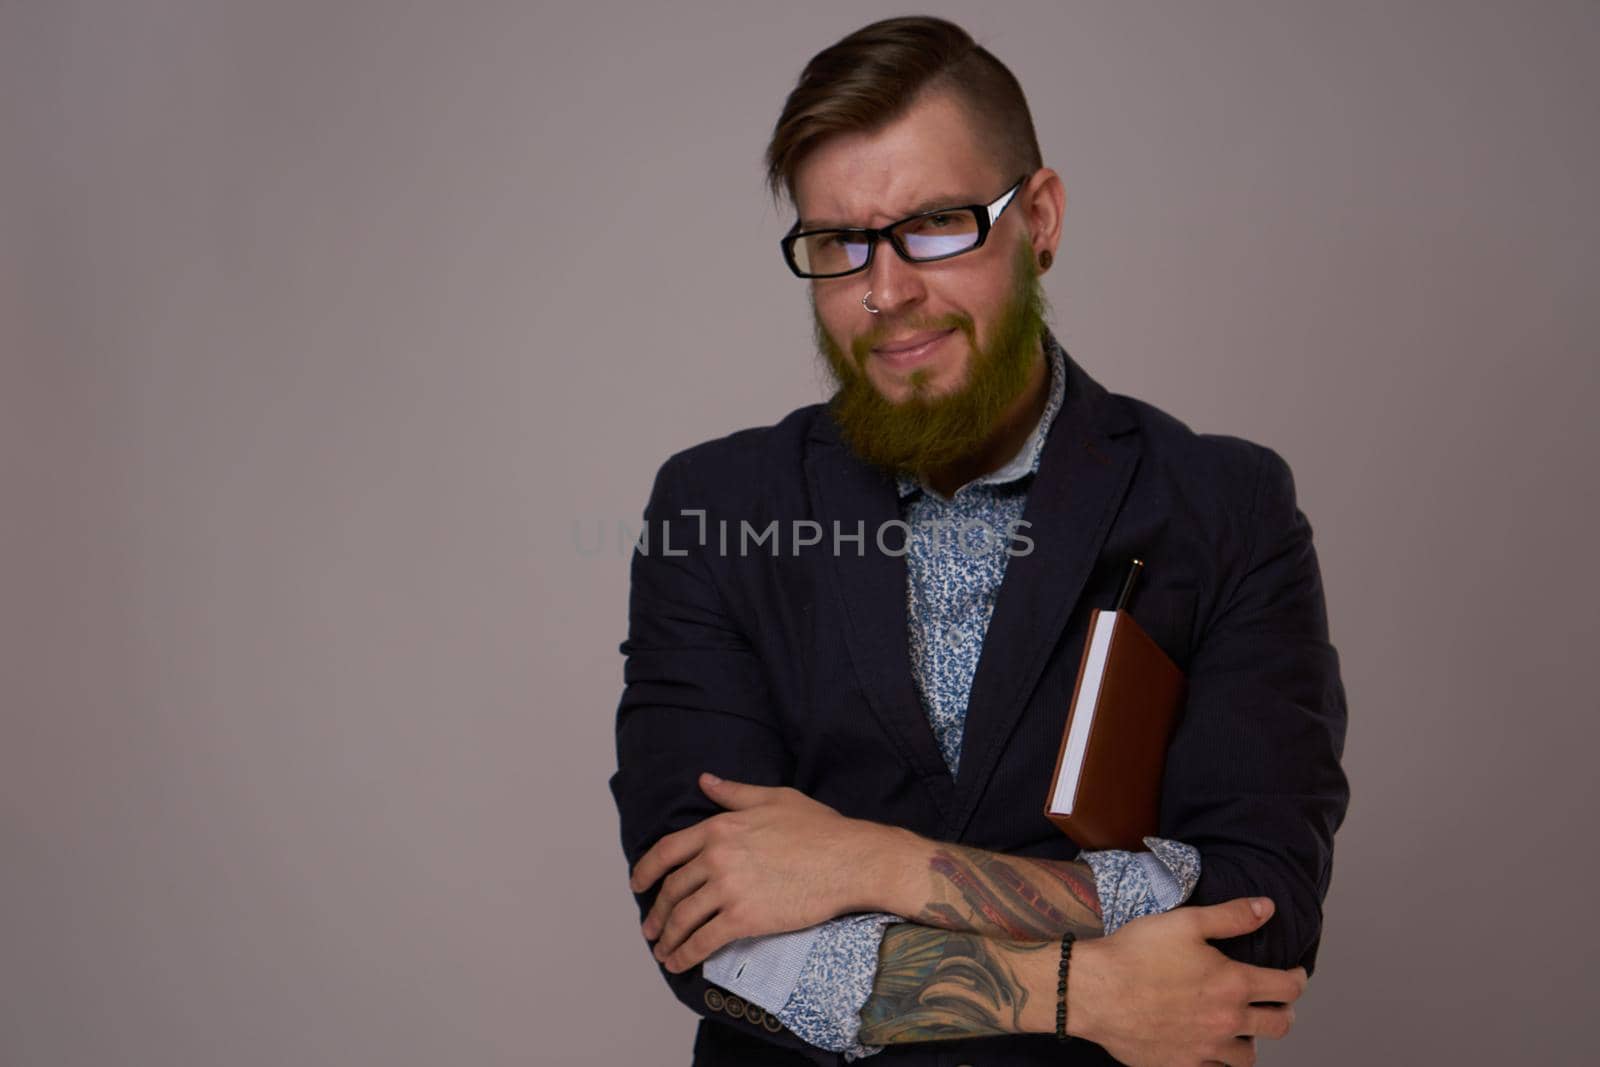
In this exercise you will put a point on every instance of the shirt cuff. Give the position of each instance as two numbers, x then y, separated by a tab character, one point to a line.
835	983
762	970
1134	884
815	980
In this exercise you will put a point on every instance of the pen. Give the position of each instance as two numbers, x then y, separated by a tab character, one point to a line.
1127	586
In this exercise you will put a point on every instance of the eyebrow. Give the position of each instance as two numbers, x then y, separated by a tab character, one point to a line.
932	203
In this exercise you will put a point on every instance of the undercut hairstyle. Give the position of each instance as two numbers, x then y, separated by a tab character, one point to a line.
872	77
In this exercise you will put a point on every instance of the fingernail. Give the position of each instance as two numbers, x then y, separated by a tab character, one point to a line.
1259	906
713	779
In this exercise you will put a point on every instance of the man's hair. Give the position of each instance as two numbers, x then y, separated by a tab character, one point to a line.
872	77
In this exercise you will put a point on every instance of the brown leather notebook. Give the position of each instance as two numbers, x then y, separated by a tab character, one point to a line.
1106	790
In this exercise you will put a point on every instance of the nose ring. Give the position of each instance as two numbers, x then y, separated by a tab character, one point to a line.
866	305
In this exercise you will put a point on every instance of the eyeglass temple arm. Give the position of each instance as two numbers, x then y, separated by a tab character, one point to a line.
1005	201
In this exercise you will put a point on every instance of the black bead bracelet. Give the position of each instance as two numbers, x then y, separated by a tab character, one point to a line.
1061	986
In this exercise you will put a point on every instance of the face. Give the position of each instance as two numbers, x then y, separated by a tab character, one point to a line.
928	431
916	411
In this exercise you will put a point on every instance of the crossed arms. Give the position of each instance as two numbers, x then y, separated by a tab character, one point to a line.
978	957
1263	688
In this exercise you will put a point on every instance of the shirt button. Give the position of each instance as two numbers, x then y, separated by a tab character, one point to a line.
954	637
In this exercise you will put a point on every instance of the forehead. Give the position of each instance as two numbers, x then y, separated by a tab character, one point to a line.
929	157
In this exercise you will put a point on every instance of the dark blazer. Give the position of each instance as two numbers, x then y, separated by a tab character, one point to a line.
793	669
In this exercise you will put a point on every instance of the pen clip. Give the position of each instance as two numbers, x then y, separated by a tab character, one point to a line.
1127	585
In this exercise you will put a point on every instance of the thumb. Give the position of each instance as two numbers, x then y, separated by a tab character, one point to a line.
731	795
1233	917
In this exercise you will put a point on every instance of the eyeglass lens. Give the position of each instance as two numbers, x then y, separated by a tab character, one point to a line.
932	236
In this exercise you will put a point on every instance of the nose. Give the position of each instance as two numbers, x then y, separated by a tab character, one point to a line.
896	285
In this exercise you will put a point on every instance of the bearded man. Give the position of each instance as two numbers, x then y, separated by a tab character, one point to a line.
853	637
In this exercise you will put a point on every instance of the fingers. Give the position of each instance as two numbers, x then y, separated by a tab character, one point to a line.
1273	985
734	795
1268	1022
686	919
706	940
1240	1050
671	851
679	884
1232	917
1237	1052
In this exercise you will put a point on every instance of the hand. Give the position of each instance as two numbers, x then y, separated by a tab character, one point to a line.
1154	994
775	861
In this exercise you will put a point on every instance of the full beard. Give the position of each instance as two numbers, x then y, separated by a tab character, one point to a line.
926	433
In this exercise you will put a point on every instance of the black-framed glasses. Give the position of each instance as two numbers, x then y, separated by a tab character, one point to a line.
921	238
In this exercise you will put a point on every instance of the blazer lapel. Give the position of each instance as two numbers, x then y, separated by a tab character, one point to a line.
1084	471
871	588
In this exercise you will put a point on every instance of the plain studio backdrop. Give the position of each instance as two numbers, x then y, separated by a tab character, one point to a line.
341	340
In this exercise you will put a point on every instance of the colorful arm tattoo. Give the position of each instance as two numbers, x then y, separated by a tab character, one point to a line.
938	984
1002	896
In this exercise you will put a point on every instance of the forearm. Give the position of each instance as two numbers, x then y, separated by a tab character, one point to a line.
975	891
836	979
1156	992
980	956
936	985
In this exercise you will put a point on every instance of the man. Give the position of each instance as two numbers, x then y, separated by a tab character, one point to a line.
882	693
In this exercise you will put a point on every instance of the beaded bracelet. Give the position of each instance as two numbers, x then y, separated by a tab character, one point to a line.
1061	986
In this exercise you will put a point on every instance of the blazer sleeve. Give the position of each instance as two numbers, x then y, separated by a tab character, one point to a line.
694	699
1253	776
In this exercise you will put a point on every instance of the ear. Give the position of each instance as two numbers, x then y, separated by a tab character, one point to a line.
1044	203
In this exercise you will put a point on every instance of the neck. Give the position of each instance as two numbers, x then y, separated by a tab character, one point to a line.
1008	436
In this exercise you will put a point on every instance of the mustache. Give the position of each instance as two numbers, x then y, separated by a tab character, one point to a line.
863	345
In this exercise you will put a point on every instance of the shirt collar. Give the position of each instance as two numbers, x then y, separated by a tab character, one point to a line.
1026	461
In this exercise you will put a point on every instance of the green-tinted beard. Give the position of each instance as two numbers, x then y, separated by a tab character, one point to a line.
922	433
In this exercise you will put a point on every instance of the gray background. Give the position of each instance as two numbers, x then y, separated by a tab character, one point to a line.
324	322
